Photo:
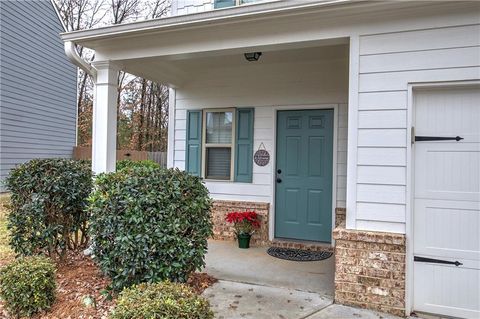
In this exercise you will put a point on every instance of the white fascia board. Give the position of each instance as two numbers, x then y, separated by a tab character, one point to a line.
257	11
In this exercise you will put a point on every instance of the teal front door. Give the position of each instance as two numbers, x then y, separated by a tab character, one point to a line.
303	199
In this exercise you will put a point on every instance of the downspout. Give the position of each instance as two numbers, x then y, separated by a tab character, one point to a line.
76	59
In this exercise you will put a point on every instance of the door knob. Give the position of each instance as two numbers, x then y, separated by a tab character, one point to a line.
279	180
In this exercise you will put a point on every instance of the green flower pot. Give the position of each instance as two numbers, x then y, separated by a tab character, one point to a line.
244	240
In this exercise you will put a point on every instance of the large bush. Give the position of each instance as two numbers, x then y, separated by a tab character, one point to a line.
48	197
27	285
128	164
161	301
149	225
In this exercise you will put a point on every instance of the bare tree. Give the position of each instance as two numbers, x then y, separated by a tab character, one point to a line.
142	104
158	8
81	14
124	10
78	15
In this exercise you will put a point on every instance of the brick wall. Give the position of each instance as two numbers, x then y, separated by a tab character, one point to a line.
340	216
370	270
224	231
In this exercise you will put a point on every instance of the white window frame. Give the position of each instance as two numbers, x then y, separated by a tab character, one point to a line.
239	3
210	145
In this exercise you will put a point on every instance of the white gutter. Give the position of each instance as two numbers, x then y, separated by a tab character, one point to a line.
75	58
209	17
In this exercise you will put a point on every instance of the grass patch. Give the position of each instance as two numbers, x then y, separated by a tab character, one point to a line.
6	253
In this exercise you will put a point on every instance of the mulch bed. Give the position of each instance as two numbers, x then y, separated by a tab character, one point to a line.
78	278
200	281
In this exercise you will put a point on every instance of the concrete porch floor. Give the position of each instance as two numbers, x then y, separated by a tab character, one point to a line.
225	261
254	285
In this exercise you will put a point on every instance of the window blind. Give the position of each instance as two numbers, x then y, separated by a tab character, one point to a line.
218	162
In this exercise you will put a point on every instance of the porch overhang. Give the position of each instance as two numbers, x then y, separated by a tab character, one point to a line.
148	48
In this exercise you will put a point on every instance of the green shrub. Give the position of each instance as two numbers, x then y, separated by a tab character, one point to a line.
27	285
125	164
149	225
48	200
161	301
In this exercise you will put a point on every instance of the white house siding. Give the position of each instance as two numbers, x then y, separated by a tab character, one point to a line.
267	88
37	86
388	62
180	7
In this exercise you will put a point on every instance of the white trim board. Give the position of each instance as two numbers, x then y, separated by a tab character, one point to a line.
353	96
171	127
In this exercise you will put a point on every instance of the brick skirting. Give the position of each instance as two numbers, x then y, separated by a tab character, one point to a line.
370	270
224	231
340	216
305	245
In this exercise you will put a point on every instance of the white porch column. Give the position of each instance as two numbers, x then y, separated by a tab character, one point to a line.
354	73
104	128
171	127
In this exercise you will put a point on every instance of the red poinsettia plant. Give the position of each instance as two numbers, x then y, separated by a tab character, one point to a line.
244	222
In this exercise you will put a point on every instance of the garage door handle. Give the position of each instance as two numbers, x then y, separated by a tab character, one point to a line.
436	261
437	138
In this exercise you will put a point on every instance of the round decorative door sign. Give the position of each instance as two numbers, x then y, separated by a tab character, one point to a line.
261	156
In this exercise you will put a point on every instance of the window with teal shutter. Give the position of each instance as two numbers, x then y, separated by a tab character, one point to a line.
244	145
193	160
224	3
219	141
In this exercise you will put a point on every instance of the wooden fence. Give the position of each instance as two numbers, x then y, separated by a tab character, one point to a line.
159	157
85	153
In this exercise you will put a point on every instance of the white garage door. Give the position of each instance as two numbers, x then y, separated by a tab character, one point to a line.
447	202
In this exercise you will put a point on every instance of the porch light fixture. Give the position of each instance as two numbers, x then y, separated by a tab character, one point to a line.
253	56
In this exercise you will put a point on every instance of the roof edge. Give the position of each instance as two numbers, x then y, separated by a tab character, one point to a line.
204	18
54	5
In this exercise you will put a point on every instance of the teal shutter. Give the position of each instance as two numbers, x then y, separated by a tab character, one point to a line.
224	3
244	145
193	160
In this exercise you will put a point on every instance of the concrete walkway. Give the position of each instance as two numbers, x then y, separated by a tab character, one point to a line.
233	300
254	285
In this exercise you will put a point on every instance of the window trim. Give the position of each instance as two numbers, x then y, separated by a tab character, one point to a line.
210	145
240	3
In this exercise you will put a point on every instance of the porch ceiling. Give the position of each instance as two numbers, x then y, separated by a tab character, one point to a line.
182	69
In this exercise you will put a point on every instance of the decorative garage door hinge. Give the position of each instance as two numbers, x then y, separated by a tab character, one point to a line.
436	261
433	138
